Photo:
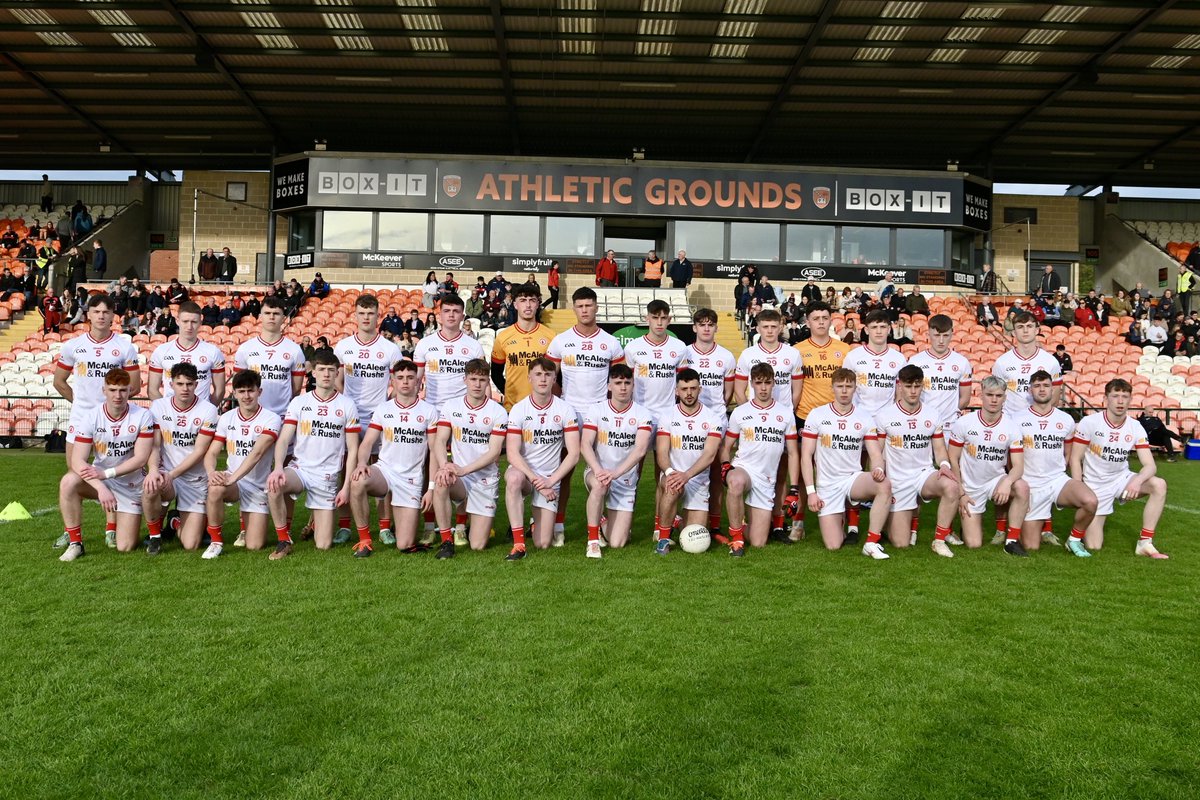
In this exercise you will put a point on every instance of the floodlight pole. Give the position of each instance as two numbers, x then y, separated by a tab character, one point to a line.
195	217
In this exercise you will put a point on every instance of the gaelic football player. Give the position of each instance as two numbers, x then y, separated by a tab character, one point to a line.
442	357
247	432
518	345
715	365
120	436
277	359
876	364
688	443
616	436
542	447
324	425
189	348
473	427
835	437
1103	443
176	468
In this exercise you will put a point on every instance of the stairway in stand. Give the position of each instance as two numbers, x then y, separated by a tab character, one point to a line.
19	330
729	335
558	319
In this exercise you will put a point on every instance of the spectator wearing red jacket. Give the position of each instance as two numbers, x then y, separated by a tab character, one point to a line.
1086	318
606	270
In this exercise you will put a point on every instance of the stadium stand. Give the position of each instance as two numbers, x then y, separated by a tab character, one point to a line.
22	216
1174	238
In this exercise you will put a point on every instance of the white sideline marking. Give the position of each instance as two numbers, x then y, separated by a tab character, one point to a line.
1181	508
41	512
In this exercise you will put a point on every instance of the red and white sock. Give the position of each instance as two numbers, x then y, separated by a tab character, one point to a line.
776	521
214	533
940	533
283	533
1147	535
460	519
593	532
1013	535
738	535
155	527
852	515
519	538
1077	534
344	520
75	534
1002	525
1048	526
912	526
873	537
364	534
663	532
385	524
447	534
110	527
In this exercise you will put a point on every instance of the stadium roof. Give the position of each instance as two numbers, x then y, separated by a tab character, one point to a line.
1079	91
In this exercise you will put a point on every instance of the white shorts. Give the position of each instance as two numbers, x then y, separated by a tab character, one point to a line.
252	498
907	490
762	488
541	502
406	490
191	494
980	495
320	489
73	423
1108	491
835	494
622	491
696	493
1043	496
482	493
128	492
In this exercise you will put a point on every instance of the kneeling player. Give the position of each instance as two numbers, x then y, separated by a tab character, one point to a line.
988	456
473	427
324	425
1046	433
121	435
912	441
1103	444
543	448
404	425
764	430
616	436
176	469
688	441
834	438
248	433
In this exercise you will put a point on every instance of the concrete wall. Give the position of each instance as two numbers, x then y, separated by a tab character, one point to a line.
1057	228
242	227
1126	258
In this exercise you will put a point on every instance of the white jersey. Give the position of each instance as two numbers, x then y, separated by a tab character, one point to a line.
1044	437
1015	370
690	432
366	371
908	439
90	361
716	369
205	356
784	359
472	429
616	431
445	364
985	448
876	373
276	364
321	428
841	440
181	429
584	362
762	433
112	440
943	378
542	430
404	432
239	435
1108	447
654	367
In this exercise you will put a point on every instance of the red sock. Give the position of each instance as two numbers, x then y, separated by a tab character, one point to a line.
447	535
912	526
736	535
242	522
872	536
1147	535
561	517
777	520
1048	526
460	519
1078	534
75	534
385	524
940	533
714	521
1001	524
344	521
154	526
110	527
519	538
364	534
663	532
214	533
657	522
593	533
1013	535
284	534
852	516
429	516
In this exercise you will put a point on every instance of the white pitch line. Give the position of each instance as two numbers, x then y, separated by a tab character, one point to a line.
1181	508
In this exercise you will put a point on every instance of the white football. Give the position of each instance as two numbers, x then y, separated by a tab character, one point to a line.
694	539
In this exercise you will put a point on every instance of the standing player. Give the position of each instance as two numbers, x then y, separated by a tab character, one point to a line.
176	469
654	359
366	359
404	425
715	365
835	437
913	440
121	436
1046	433
473	427
1103	443
987	453
616	436
688	442
278	360
764	431
325	427
442	358
189	348
876	365
543	448
518	345
583	355
248	433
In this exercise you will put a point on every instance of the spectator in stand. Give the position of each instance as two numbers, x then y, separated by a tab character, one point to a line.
1158	434
480	283
51	309
47	195
1017	307
1064	359
795	332
407	345
76	268
1186	281
1166	306
498	283
1134	335
811	293
474	305
229	266
414	326
902	333
75	307
41	265
138	296
209	267
897	304
210	315
743	293
156	300
448	287
230	316
1086	318
916	303
1176	345
318	288
146	326
130	322
552	281
749	271
884	288
1120	304
251	307
81	221
99	259
177	293
680	271
790	308
8	284
1050	282
508	312
293	299
986	313
1054	316
28	254
607	273
752	313
768	295
1139	306
468	328
9	239
491	317
430	326
392	323
1156	334
847	301
49	232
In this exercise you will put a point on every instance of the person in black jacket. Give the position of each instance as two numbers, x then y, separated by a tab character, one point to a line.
392	323
228	266
210	315
166	324
1158	434
811	293
987	280
680	271
1050	282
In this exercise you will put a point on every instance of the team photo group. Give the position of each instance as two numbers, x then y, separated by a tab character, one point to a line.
415	453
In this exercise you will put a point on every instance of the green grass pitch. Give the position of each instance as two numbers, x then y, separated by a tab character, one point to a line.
793	673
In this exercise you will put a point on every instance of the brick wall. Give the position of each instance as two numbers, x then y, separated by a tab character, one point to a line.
1057	228
242	227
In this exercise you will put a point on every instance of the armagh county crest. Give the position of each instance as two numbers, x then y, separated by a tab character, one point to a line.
821	195
451	184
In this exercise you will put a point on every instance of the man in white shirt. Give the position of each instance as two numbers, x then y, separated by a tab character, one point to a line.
442	357
278	360
189	348
715	365
688	442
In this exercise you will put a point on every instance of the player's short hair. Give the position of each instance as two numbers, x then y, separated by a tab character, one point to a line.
583	293
910	373
878	315
705	315
367	301
189	307
246	379
477	366
453	300
686	375
941	323
656	307
1118	385
991	382
274	301
117	376
1021	317
843	375
620	372
526	290
185	369
404	365
325	358
818	305
97	300
768	315
544	363
1040	375
762	371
